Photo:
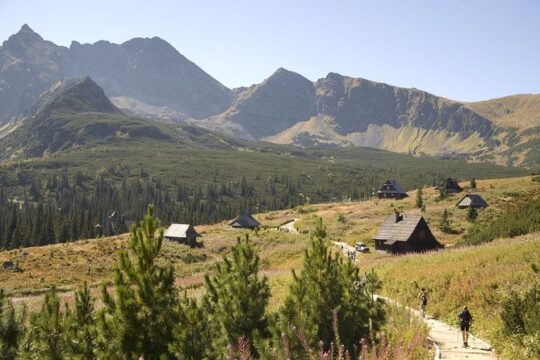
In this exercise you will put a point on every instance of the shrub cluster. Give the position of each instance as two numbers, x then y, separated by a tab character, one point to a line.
513	223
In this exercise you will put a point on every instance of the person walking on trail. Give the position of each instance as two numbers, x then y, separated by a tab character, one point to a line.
465	320
423	300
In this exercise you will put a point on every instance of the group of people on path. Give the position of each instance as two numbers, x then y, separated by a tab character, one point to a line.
464	316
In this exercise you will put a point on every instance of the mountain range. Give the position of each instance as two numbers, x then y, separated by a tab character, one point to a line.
148	78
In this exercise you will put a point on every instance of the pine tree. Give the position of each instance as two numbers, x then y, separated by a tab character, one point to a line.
445	223
419	199
81	332
11	328
140	318
472	214
191	333
443	194
326	285
45	338
236	301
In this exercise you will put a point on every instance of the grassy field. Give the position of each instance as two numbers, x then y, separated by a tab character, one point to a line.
478	276
69	265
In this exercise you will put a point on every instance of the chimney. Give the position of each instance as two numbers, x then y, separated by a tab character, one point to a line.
399	217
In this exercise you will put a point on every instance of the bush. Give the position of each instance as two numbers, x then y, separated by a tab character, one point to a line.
520	316
514	223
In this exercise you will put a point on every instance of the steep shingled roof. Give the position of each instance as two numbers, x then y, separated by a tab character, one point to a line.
245	221
181	231
402	230
474	200
397	188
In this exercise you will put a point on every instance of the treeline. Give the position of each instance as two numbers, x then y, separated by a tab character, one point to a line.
63	209
329	308
517	222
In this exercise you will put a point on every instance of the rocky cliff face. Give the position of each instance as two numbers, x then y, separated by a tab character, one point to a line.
344	105
357	103
148	70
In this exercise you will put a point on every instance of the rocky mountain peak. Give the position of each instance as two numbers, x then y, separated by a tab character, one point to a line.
25	38
72	96
81	95
284	74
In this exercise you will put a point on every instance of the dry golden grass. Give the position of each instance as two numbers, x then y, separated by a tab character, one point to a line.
68	266
517	111
479	276
362	219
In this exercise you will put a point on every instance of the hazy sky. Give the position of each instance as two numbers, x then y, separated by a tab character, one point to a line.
464	50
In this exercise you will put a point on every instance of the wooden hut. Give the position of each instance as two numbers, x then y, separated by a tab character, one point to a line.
472	200
391	190
245	221
183	233
450	185
401	234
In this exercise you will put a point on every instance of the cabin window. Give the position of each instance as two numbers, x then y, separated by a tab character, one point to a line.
422	234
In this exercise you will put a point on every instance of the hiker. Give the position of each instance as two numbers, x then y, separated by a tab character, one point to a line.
423	300
465	320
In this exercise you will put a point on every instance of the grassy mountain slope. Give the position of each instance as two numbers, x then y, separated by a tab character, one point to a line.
479	277
517	111
76	114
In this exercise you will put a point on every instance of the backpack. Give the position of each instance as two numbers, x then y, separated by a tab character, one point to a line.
465	317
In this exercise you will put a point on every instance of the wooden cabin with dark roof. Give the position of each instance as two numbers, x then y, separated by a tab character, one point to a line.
472	200
391	190
245	221
401	234
182	233
450	185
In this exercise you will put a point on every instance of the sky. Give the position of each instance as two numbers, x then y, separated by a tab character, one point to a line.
464	50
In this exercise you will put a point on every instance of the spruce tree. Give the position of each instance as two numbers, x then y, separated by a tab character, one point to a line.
419	199
138	321
11	328
236	301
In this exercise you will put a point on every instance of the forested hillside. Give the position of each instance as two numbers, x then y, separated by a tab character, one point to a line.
73	195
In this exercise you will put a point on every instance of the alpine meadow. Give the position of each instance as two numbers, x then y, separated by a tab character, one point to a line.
150	211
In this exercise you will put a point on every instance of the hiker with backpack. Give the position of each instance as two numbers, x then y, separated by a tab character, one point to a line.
423	300
465	320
